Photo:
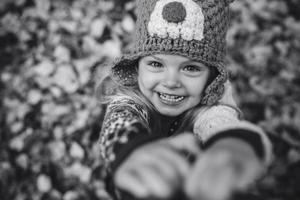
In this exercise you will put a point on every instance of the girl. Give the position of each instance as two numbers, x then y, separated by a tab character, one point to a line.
171	128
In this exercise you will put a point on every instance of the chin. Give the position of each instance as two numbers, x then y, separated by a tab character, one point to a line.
169	113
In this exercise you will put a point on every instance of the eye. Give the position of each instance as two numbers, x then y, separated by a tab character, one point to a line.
192	68
155	64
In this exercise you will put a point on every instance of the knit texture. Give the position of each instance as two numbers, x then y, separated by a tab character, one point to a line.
194	29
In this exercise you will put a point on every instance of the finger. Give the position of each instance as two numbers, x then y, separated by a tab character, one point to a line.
211	188
168	169
253	169
148	180
130	181
157	185
173	161
216	179
187	142
160	154
245	167
223	185
221	174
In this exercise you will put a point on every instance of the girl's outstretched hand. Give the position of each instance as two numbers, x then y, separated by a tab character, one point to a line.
158	169
228	166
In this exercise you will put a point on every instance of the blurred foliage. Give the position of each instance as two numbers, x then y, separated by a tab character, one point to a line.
50	119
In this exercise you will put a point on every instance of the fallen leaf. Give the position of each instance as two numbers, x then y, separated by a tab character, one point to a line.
97	27
17	143
66	79
62	54
81	171
23	161
70	195
44	183
45	68
57	149
69	26
76	151
34	96
128	24
111	49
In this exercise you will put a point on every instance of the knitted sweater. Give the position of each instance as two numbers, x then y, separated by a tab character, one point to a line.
126	126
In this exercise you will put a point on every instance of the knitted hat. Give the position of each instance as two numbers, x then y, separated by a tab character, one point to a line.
192	28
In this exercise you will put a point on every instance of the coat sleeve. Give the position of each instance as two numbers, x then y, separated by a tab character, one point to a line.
125	128
124	122
220	121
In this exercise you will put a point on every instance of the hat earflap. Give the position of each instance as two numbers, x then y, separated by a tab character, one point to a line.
215	90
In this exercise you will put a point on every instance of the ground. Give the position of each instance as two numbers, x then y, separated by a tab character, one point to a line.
50	118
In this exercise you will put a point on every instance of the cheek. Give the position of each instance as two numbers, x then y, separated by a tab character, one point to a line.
146	79
197	87
145	83
143	80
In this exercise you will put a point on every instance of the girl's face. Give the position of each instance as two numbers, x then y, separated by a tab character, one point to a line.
172	83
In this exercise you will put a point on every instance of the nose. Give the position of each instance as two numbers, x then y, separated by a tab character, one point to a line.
171	79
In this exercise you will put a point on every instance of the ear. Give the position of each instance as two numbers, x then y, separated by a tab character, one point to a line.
227	2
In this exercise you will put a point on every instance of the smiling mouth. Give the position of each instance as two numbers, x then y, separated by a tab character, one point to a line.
170	98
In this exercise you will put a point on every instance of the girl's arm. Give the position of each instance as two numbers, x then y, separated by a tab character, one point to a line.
124	129
138	163
236	153
222	121
212	123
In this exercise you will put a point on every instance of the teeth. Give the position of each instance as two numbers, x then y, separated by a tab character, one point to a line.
171	98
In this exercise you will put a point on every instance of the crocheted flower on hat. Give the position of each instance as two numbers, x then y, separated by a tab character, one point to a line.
177	19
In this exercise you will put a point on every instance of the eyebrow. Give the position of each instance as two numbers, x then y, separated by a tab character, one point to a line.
160	59
185	62
157	58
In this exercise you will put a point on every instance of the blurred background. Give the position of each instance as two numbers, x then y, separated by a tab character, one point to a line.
50	118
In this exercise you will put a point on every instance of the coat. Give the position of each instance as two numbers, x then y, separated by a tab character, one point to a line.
126	126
